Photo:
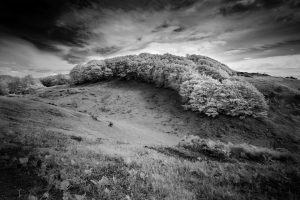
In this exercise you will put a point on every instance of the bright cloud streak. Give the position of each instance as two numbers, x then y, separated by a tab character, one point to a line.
276	66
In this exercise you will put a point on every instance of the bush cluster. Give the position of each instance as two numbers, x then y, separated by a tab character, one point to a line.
204	84
93	71
16	85
58	79
232	97
211	67
3	88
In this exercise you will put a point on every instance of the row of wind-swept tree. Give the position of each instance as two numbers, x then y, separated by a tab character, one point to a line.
204	84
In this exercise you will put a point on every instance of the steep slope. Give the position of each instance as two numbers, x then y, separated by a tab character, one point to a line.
161	110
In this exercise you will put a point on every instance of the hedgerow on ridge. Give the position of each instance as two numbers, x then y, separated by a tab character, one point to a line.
204	84
19	86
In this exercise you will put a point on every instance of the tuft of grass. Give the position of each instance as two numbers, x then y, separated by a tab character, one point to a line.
226	151
183	178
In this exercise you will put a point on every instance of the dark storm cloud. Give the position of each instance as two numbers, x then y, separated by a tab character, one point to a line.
237	6
179	29
77	55
289	47
286	18
288	43
164	25
106	50
167	24
139	4
37	21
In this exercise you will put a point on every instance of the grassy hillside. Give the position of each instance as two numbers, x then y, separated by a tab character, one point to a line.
161	110
127	139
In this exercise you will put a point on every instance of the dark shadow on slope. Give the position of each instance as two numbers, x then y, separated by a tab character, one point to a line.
169	151
18	174
254	179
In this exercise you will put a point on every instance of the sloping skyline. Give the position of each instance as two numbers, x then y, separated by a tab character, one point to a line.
51	36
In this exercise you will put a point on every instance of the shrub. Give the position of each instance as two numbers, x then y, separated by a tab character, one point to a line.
14	86
58	79
211	67
76	76
291	77
47	81
200	94
24	85
96	70
204	84
93	71
162	70
27	80
3	89
231	97
247	99
213	72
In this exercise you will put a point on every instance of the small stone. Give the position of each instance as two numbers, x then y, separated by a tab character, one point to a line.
88	172
64	185
79	197
106	190
73	162
142	175
23	161
32	197
46	195
104	181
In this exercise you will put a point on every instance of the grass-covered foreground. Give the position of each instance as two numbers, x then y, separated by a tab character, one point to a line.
57	144
49	165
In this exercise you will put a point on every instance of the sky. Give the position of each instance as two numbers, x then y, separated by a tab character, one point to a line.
43	37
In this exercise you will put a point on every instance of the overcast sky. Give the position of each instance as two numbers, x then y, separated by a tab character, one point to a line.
42	37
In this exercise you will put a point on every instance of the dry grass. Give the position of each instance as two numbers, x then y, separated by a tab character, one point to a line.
70	167
88	169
